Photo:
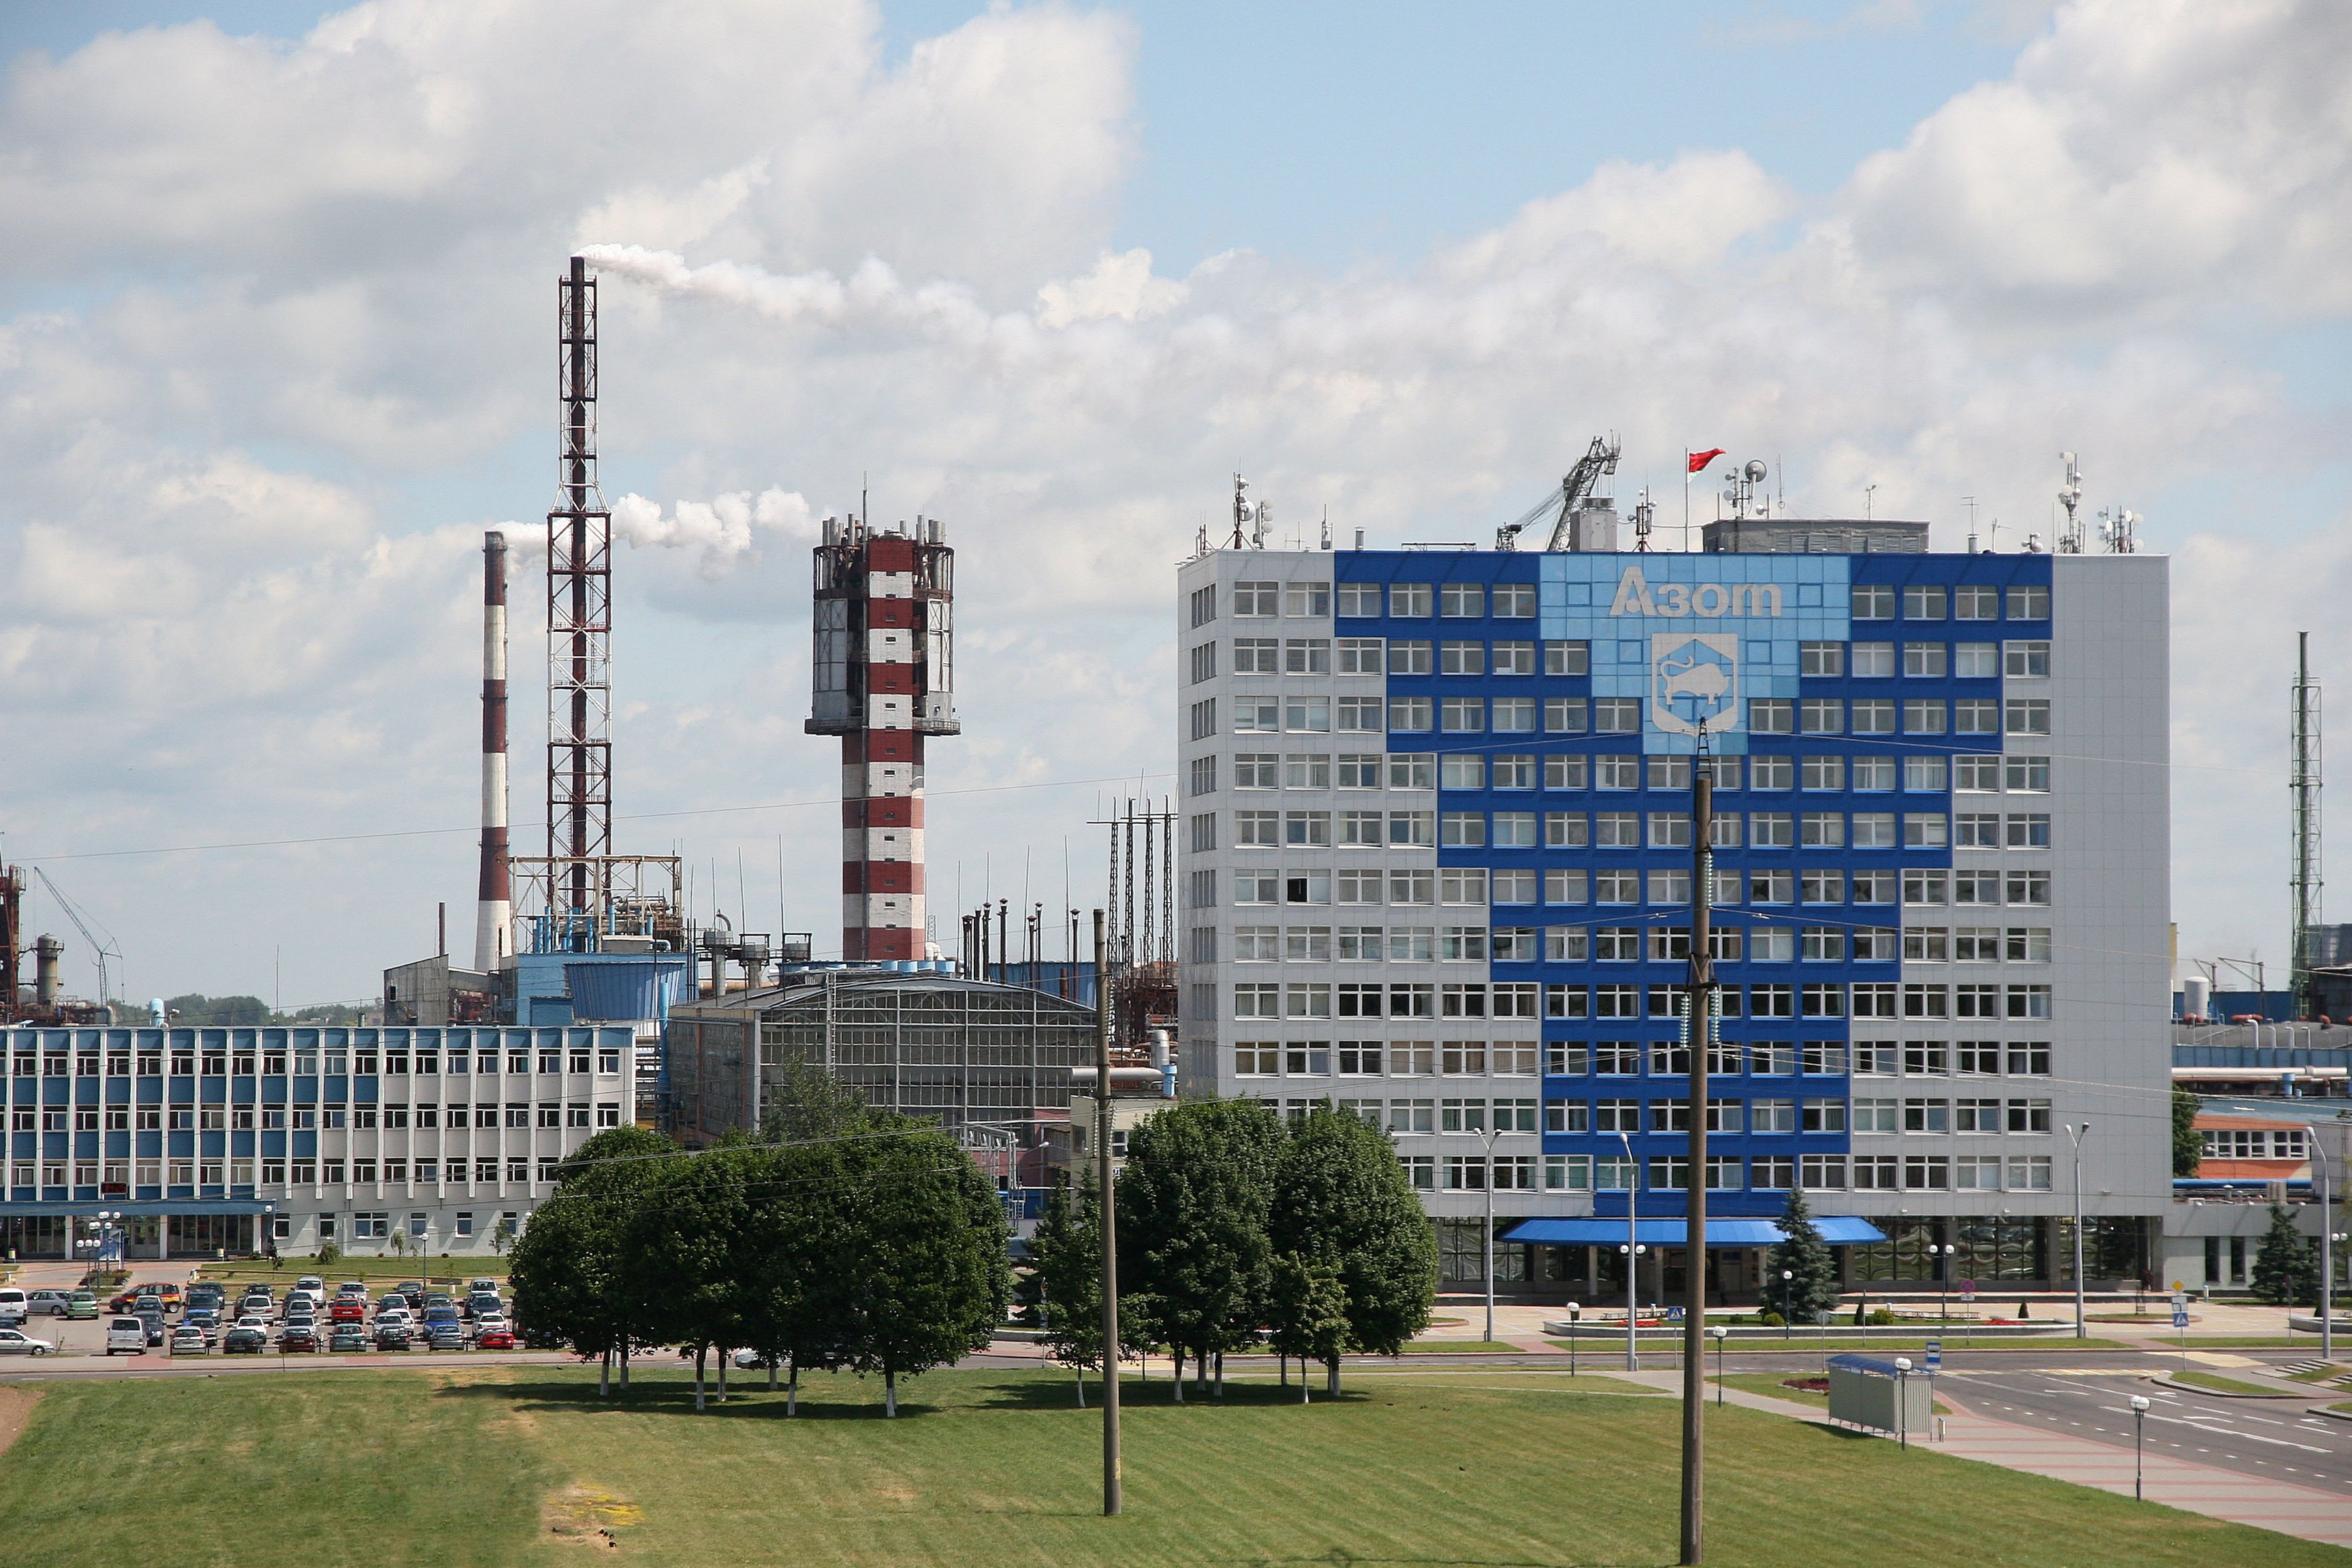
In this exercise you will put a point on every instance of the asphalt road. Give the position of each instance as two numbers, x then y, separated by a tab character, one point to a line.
2257	1437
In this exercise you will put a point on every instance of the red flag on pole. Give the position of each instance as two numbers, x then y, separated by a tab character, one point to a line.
1699	460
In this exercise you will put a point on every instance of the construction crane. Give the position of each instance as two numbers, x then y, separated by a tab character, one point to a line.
1598	459
103	950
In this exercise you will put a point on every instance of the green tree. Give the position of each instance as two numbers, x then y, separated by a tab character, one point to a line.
1306	1308
569	1284
925	1279
805	1103
2187	1144
1067	1265
683	1248
793	1289
2286	1265
1804	1253
1342	1202
1195	1202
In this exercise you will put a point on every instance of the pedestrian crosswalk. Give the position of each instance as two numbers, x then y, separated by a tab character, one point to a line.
2292	1367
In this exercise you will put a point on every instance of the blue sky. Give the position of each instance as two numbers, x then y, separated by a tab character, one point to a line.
278	315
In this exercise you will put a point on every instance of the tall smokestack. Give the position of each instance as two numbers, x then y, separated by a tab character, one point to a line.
496	911
882	680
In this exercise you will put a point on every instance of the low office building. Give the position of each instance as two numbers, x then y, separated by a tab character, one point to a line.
193	1141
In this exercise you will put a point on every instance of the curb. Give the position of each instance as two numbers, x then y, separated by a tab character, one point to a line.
2324	1413
2222	1393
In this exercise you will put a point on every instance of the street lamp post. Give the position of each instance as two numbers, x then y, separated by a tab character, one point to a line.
2074	1132
1718	1334
2326	1254
1902	1402
1490	1139
1943	1280
1575	1315
1633	1250
1788	1297
2139	1443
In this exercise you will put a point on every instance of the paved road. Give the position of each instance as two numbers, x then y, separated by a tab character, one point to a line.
2264	1437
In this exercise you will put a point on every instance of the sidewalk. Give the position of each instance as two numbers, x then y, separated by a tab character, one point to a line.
2256	1500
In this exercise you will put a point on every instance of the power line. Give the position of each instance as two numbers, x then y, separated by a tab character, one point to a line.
474	827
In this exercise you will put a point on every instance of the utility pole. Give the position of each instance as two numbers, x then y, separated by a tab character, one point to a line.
1113	1502
2304	784
1698	1030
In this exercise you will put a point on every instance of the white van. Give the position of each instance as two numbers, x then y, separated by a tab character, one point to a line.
12	1306
126	1333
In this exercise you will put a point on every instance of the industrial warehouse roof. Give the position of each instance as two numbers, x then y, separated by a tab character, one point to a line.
1837	1229
816	984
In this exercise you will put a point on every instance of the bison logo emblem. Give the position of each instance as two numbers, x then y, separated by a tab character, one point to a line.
1694	682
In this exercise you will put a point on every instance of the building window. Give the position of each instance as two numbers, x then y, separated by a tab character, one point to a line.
1873	601
1408	600
1923	602
1461	600
2028	605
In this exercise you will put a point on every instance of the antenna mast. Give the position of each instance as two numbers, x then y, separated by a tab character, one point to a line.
2304	784
2070	495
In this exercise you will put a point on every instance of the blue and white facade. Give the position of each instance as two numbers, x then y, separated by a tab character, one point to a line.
1438	870
260	1139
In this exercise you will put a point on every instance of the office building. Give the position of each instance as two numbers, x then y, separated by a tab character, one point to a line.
1437	871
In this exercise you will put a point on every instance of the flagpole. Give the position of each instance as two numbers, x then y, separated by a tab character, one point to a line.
1686	471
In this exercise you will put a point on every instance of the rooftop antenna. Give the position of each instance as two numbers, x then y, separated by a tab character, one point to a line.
2303	782
2070	495
2119	526
1868	497
1970	502
1327	528
1644	517
1240	509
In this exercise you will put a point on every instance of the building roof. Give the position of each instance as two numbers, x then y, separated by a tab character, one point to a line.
817	982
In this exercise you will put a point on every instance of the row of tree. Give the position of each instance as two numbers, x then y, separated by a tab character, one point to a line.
1234	1228
844	1239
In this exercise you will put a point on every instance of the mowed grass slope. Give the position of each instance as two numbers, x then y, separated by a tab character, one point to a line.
1483	1467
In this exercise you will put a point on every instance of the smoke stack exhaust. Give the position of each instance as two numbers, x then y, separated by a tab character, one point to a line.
496	907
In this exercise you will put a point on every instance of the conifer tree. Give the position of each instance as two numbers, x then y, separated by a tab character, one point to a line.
1804	1253
2286	1266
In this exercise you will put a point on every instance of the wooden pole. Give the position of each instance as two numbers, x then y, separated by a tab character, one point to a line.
1105	1193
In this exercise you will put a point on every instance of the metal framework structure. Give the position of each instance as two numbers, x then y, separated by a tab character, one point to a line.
624	895
2302	786
1140	947
579	625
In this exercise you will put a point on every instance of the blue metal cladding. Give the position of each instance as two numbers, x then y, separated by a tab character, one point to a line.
1695	640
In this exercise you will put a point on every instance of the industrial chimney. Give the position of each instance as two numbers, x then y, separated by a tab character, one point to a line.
496	909
883	678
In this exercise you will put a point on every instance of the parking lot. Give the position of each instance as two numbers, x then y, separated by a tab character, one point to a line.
287	1319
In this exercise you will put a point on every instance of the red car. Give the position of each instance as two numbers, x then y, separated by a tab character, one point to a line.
347	1309
495	1339
297	1340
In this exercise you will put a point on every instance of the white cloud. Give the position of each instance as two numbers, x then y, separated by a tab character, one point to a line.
239	560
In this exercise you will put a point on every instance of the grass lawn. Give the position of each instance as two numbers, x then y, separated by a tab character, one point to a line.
2323	1375
1661	1344
389	1271
988	1468
2220	1385
1461	1347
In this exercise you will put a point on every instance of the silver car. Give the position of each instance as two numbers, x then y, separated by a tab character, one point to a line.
16	1342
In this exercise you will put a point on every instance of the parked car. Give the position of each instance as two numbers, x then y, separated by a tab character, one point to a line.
45	1303
484	1304
746	1360
297	1337
189	1340
16	1342
347	1337
245	1339
392	1336
413	1290
495	1337
352	1288
120	1300
12	1306
480	1286
81	1306
347	1309
392	1299
445	1337
150	1319
126	1333
204	1321
311	1282
260	1307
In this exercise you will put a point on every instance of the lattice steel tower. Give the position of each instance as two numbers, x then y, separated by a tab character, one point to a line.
579	629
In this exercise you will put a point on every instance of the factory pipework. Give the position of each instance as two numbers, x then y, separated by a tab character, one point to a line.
495	910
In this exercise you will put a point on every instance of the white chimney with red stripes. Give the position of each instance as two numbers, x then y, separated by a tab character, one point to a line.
883	679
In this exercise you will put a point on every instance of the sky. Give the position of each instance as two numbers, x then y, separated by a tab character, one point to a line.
275	309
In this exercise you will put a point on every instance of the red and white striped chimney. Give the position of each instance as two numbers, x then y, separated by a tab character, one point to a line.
882	680
494	921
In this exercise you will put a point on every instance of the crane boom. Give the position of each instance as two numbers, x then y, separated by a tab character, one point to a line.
1600	458
101	950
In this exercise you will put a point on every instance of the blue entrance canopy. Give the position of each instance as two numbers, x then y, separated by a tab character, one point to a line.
1837	1229
134	1208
